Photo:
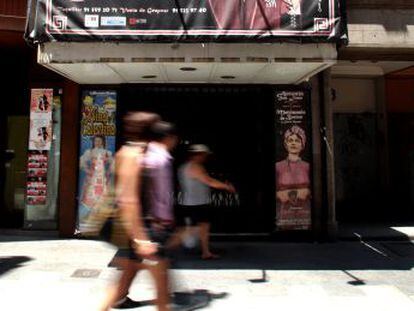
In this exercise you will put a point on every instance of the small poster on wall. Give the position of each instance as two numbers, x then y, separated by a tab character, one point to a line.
37	178
40	119
40	138
293	160
97	148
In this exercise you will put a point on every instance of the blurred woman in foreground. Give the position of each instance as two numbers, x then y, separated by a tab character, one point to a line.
142	252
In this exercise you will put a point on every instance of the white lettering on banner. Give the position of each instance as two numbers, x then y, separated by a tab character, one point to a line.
290	112
271	3
156	11
290	95
129	10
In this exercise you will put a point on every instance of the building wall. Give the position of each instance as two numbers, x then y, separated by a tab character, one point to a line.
12	16
400	107
23	73
354	95
13	7
356	147
376	4
400	95
374	149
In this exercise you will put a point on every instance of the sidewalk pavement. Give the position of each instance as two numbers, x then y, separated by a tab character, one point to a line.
73	275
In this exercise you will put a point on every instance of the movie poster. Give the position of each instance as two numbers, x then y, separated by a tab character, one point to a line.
97	148
293	161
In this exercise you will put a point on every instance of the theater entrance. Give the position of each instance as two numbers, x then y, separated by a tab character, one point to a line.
237	123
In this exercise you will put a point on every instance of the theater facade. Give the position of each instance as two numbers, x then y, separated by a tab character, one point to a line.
251	79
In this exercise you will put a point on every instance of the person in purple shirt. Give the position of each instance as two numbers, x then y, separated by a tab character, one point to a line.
157	200
159	196
158	204
154	224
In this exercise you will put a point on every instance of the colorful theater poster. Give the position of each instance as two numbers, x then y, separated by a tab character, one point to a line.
40	139
97	148
36	187
40	136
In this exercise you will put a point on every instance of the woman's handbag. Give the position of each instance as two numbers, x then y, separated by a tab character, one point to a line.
105	222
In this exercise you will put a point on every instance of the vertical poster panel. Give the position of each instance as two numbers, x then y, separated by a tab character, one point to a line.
293	160
97	148
37	178
40	138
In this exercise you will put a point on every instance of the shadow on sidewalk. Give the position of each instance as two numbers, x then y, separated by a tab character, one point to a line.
390	255
12	262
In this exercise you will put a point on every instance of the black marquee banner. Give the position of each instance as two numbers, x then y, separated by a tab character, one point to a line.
185	20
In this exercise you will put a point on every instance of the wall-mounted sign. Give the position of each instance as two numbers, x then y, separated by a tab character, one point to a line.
293	160
97	148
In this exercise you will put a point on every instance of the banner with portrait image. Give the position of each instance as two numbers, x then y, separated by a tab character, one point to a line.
97	148
185	20
293	160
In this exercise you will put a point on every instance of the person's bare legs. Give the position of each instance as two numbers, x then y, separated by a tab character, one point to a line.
204	229
177	238
160	275
121	288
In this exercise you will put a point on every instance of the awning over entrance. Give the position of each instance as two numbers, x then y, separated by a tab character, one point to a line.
115	63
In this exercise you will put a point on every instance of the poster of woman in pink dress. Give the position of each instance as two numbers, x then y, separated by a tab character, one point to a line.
293	155
293	194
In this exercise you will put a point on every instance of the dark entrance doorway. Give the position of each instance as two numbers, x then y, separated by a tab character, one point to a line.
236	122
14	125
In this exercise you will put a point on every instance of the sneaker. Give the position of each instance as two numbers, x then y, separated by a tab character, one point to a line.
128	303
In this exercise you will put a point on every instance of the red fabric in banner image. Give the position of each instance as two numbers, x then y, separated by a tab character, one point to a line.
228	13
259	16
250	14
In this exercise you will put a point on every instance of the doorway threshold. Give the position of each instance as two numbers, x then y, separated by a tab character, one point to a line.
35	234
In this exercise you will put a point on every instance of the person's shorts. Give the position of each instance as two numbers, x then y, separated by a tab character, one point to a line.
159	236
193	215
